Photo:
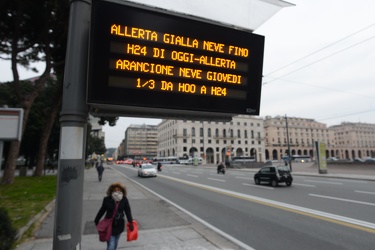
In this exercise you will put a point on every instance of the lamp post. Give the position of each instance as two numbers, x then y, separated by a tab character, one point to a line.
287	138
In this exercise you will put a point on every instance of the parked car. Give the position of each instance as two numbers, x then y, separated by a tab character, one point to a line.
147	170
369	159
274	175
358	160
332	159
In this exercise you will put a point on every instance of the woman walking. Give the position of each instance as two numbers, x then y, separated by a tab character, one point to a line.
116	197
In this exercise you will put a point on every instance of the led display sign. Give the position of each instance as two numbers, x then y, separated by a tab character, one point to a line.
158	63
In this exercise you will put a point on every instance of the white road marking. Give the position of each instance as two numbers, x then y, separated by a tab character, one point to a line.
192	175
334	217
325	182
304	185
246	178
341	199
232	173
347	180
216	179
258	186
176	173
364	192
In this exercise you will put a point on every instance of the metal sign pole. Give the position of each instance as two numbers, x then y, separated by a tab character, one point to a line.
69	194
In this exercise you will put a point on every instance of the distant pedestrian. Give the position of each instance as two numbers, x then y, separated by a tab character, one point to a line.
116	198
100	169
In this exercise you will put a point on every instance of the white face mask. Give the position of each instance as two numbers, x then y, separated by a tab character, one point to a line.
117	196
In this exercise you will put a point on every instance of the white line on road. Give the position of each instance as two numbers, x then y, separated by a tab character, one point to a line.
246	178
232	173
192	175
304	185
176	173
340	199
216	179
366	226
246	184
326	182
364	192
225	235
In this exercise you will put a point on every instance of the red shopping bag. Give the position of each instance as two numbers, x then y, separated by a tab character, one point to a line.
132	235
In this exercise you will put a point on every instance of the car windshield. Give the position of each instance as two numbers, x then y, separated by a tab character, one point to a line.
147	166
283	169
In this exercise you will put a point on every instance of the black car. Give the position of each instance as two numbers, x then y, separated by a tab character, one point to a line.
274	175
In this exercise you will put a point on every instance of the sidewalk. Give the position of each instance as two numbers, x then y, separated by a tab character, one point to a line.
161	226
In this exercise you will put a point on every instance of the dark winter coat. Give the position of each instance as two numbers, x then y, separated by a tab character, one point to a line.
108	206
100	169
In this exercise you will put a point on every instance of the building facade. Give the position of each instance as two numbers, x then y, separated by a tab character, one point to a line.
354	140
302	133
141	141
345	141
213	141
264	139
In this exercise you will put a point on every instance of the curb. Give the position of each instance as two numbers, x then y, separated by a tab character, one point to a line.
37	218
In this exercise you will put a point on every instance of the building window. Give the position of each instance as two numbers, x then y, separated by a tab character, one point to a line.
225	141
209	132
184	140
246	142
209	141
193	141
239	142
184	132
184	149
239	133
217	141
216	132
245	133
224	133
232	142
201	134
201	141
201	149
192	131
217	149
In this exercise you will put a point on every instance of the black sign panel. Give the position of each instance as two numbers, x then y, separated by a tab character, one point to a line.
158	63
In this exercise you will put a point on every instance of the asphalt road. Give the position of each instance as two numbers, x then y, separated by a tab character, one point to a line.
314	213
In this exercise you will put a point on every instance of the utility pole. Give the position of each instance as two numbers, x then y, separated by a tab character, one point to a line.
74	112
287	138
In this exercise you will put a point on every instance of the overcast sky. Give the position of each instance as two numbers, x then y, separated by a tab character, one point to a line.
319	63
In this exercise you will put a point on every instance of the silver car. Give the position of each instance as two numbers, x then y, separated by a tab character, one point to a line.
147	170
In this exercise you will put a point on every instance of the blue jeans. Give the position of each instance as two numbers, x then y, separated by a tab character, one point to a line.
112	243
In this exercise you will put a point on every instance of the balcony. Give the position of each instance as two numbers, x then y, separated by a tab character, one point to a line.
181	136
218	137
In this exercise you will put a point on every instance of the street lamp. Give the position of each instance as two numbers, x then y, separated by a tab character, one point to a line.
287	138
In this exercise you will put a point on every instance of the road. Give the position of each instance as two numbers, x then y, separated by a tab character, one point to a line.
314	213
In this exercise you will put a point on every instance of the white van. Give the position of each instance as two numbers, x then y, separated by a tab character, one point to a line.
190	161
